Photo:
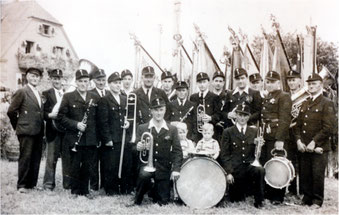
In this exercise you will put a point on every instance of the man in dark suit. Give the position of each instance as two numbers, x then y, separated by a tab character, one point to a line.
238	154
111	123
242	93
99	79
167	156
276	113
207	99
182	109
315	125
78	112
26	115
167	83
53	136
146	93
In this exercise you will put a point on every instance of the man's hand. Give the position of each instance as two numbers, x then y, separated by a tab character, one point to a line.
53	115
230	179
175	175
279	145
310	147
206	118
318	150
301	146
81	126
140	146
110	143
126	125
232	115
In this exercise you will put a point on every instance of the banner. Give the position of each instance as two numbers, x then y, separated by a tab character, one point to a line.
310	50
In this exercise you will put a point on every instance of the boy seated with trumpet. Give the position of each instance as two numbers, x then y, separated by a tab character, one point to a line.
240	152
160	155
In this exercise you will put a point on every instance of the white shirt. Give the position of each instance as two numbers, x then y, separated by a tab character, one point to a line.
203	94
316	95
58	94
239	127
162	125
36	93
117	97
183	102
101	92
238	90
149	93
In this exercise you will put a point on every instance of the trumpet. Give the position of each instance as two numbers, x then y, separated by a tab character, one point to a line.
84	120
131	101
201	111
146	138
259	143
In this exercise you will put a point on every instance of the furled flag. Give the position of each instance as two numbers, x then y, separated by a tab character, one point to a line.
266	57
310	50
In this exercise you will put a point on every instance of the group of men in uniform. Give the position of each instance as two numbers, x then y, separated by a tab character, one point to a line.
96	130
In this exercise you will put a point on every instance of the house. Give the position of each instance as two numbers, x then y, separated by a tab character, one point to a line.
30	36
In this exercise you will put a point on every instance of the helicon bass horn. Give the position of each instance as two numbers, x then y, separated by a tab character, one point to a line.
147	138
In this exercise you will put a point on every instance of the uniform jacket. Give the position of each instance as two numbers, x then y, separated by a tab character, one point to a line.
237	149
316	121
72	111
111	117
252	99
50	101
276	113
94	91
143	105
25	114
212	105
178	112
167	152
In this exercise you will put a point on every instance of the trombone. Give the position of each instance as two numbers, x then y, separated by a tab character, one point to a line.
147	138
131	102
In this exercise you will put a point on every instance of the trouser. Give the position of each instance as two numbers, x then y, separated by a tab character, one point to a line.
82	164
66	165
271	193
94	175
160	189
111	159
29	160
292	155
312	176
53	153
250	175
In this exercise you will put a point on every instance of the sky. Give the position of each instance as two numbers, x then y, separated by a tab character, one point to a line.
99	29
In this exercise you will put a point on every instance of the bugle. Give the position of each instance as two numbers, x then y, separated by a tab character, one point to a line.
147	138
259	143
131	102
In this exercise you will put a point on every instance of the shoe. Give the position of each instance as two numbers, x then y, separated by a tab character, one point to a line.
258	204
315	206
22	190
89	196
133	204
275	202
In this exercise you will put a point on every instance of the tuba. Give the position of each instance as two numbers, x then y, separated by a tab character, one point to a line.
147	138
201	111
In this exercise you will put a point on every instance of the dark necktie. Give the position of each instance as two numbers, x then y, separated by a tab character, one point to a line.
102	93
242	130
181	102
148	95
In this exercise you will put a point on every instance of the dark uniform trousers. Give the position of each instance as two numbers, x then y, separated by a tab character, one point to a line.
293	156
276	114
237	154
26	117
111	117
316	121
72	110
167	157
54	146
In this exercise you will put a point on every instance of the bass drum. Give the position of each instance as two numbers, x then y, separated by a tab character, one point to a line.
279	171
202	183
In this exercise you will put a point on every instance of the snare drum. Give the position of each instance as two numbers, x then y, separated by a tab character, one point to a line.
279	171
202	183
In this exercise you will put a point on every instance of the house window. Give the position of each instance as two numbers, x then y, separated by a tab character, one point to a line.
29	46
46	29
58	51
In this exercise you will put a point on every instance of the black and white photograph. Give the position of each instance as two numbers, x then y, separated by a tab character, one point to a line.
169	107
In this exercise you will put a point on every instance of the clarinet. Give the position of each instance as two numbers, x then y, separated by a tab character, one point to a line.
186	115
84	120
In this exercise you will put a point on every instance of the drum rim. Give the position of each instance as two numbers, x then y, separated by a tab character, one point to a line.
286	162
215	162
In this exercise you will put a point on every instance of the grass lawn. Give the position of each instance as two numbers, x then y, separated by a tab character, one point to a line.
62	202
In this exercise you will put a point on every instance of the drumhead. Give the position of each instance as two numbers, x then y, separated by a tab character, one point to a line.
202	183
277	173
